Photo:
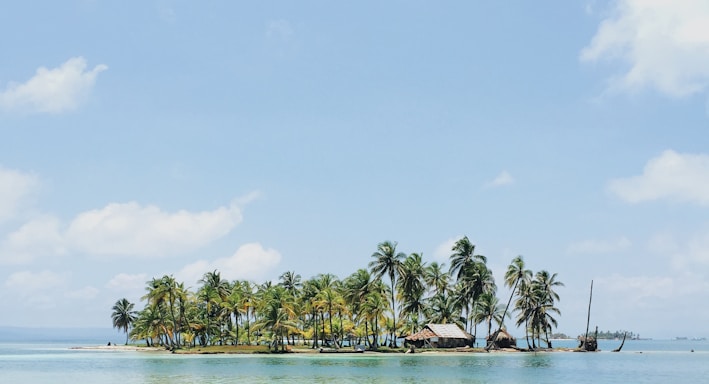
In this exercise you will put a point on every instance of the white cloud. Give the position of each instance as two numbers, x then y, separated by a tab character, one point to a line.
125	281
39	237
665	44
85	293
504	178
443	251
15	189
651	291
251	262
674	176
34	288
600	246
52	90
133	229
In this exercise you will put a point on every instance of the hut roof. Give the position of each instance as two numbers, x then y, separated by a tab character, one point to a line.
503	335
448	331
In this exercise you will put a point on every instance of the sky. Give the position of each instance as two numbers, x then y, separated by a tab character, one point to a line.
144	138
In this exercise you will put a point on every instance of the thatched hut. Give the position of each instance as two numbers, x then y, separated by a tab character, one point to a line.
440	336
588	345
501	339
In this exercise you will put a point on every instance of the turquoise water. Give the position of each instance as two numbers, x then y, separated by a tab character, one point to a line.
647	361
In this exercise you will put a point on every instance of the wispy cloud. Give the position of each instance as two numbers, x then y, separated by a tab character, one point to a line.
672	175
54	90
663	43
504	178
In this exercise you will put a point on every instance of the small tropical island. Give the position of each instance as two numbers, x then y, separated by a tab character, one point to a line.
387	307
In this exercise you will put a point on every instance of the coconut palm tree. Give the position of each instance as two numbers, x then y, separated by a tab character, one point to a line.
123	315
436	278
463	256
444	309
291	282
488	310
411	288
472	275
475	280
515	276
388	261
373	308
212	293
277	314
356	289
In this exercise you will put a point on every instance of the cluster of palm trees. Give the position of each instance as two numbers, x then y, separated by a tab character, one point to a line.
359	309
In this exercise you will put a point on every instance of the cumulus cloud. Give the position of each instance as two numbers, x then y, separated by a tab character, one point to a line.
504	178
15	189
52	90
127	282
134	229
652	291
663	43
34	288
672	175
85	293
600	246
39	237
127	229
443	251
128	285
251	262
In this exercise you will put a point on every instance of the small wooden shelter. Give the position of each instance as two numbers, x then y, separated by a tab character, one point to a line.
440	336
501	339
588	345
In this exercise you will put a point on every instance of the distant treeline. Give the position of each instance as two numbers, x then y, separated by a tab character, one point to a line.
601	335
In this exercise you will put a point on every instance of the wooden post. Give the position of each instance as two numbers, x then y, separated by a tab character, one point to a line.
588	320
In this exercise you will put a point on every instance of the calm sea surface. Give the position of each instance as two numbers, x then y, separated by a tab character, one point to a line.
643	361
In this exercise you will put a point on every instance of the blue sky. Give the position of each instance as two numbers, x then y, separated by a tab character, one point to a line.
172	137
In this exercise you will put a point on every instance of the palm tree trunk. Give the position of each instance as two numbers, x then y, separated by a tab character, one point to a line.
512	294
393	311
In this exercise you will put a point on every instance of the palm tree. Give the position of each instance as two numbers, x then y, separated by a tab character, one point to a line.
411	288
387	261
436	278
373	309
213	292
463	256
123	315
488	310
516	274
475	279
356	289
443	309
277	314
471	273
536	304
544	283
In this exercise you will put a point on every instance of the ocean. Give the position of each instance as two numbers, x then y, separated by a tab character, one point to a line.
640	361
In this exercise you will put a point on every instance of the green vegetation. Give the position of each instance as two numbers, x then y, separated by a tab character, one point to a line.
240	316
616	335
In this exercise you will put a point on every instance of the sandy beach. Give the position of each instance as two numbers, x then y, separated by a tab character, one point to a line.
124	348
